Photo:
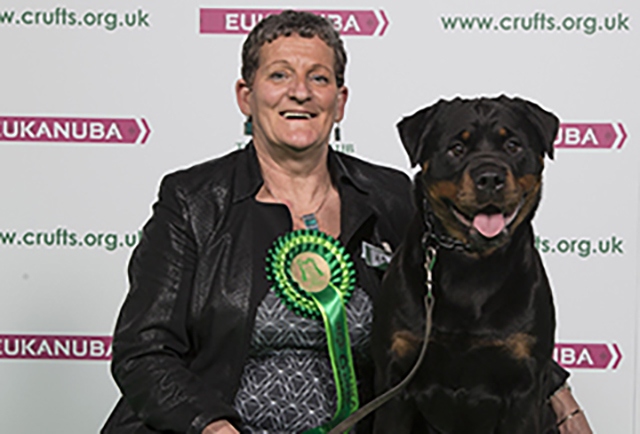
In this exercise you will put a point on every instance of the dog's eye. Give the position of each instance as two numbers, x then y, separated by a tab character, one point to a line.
456	149
512	146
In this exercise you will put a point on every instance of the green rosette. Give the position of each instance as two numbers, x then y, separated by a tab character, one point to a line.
314	276
280	260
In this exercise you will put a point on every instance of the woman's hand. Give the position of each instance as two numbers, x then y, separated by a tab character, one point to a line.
571	419
220	427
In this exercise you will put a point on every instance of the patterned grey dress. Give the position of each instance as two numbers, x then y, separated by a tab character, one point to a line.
287	385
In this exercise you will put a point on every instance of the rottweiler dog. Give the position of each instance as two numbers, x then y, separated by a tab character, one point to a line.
488	362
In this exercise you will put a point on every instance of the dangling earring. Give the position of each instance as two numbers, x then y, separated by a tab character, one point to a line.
337	134
248	127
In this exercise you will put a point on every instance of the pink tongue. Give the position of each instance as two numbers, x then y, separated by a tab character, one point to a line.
489	225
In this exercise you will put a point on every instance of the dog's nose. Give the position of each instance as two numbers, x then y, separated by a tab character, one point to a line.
490	180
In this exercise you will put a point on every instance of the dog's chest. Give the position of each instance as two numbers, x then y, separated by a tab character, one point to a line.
460	376
477	301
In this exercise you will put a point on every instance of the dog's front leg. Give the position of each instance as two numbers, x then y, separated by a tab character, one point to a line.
399	415
395	417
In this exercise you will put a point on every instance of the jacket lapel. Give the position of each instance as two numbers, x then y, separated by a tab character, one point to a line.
355	208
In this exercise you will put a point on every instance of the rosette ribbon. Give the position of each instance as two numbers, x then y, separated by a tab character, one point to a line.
314	276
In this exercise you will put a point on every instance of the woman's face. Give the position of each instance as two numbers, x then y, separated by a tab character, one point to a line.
294	99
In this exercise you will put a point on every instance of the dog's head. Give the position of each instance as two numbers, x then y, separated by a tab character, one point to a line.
482	162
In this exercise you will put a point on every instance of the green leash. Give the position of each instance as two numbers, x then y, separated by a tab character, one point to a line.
348	423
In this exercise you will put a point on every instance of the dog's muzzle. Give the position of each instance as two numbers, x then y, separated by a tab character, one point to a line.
490	183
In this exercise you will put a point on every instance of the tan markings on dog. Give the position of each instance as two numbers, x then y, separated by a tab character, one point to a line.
466	201
520	345
465	135
467	192
529	182
513	192
404	342
440	190
510	184
425	166
502	132
530	185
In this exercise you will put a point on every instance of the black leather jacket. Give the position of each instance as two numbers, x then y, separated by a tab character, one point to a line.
184	329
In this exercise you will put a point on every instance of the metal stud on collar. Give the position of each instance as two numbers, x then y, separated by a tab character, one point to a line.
441	240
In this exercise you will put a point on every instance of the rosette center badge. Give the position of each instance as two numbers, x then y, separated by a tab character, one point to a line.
311	271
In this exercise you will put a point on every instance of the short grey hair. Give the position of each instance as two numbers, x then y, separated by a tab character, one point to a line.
286	23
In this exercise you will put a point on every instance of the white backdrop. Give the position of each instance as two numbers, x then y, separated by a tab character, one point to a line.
99	100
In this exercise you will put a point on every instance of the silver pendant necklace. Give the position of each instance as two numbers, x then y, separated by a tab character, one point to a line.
310	220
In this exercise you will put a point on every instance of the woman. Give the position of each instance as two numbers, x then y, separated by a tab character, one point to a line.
201	344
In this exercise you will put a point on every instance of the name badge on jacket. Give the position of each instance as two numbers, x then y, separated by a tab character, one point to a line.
375	256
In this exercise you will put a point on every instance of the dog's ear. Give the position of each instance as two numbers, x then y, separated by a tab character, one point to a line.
418	194
414	129
545	123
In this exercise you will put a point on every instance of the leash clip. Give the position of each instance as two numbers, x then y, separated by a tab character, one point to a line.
429	262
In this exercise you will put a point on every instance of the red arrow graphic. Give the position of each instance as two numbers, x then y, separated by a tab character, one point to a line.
622	135
619	357
385	22
147	131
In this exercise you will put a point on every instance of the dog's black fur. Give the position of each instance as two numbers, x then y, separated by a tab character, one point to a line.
488	362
